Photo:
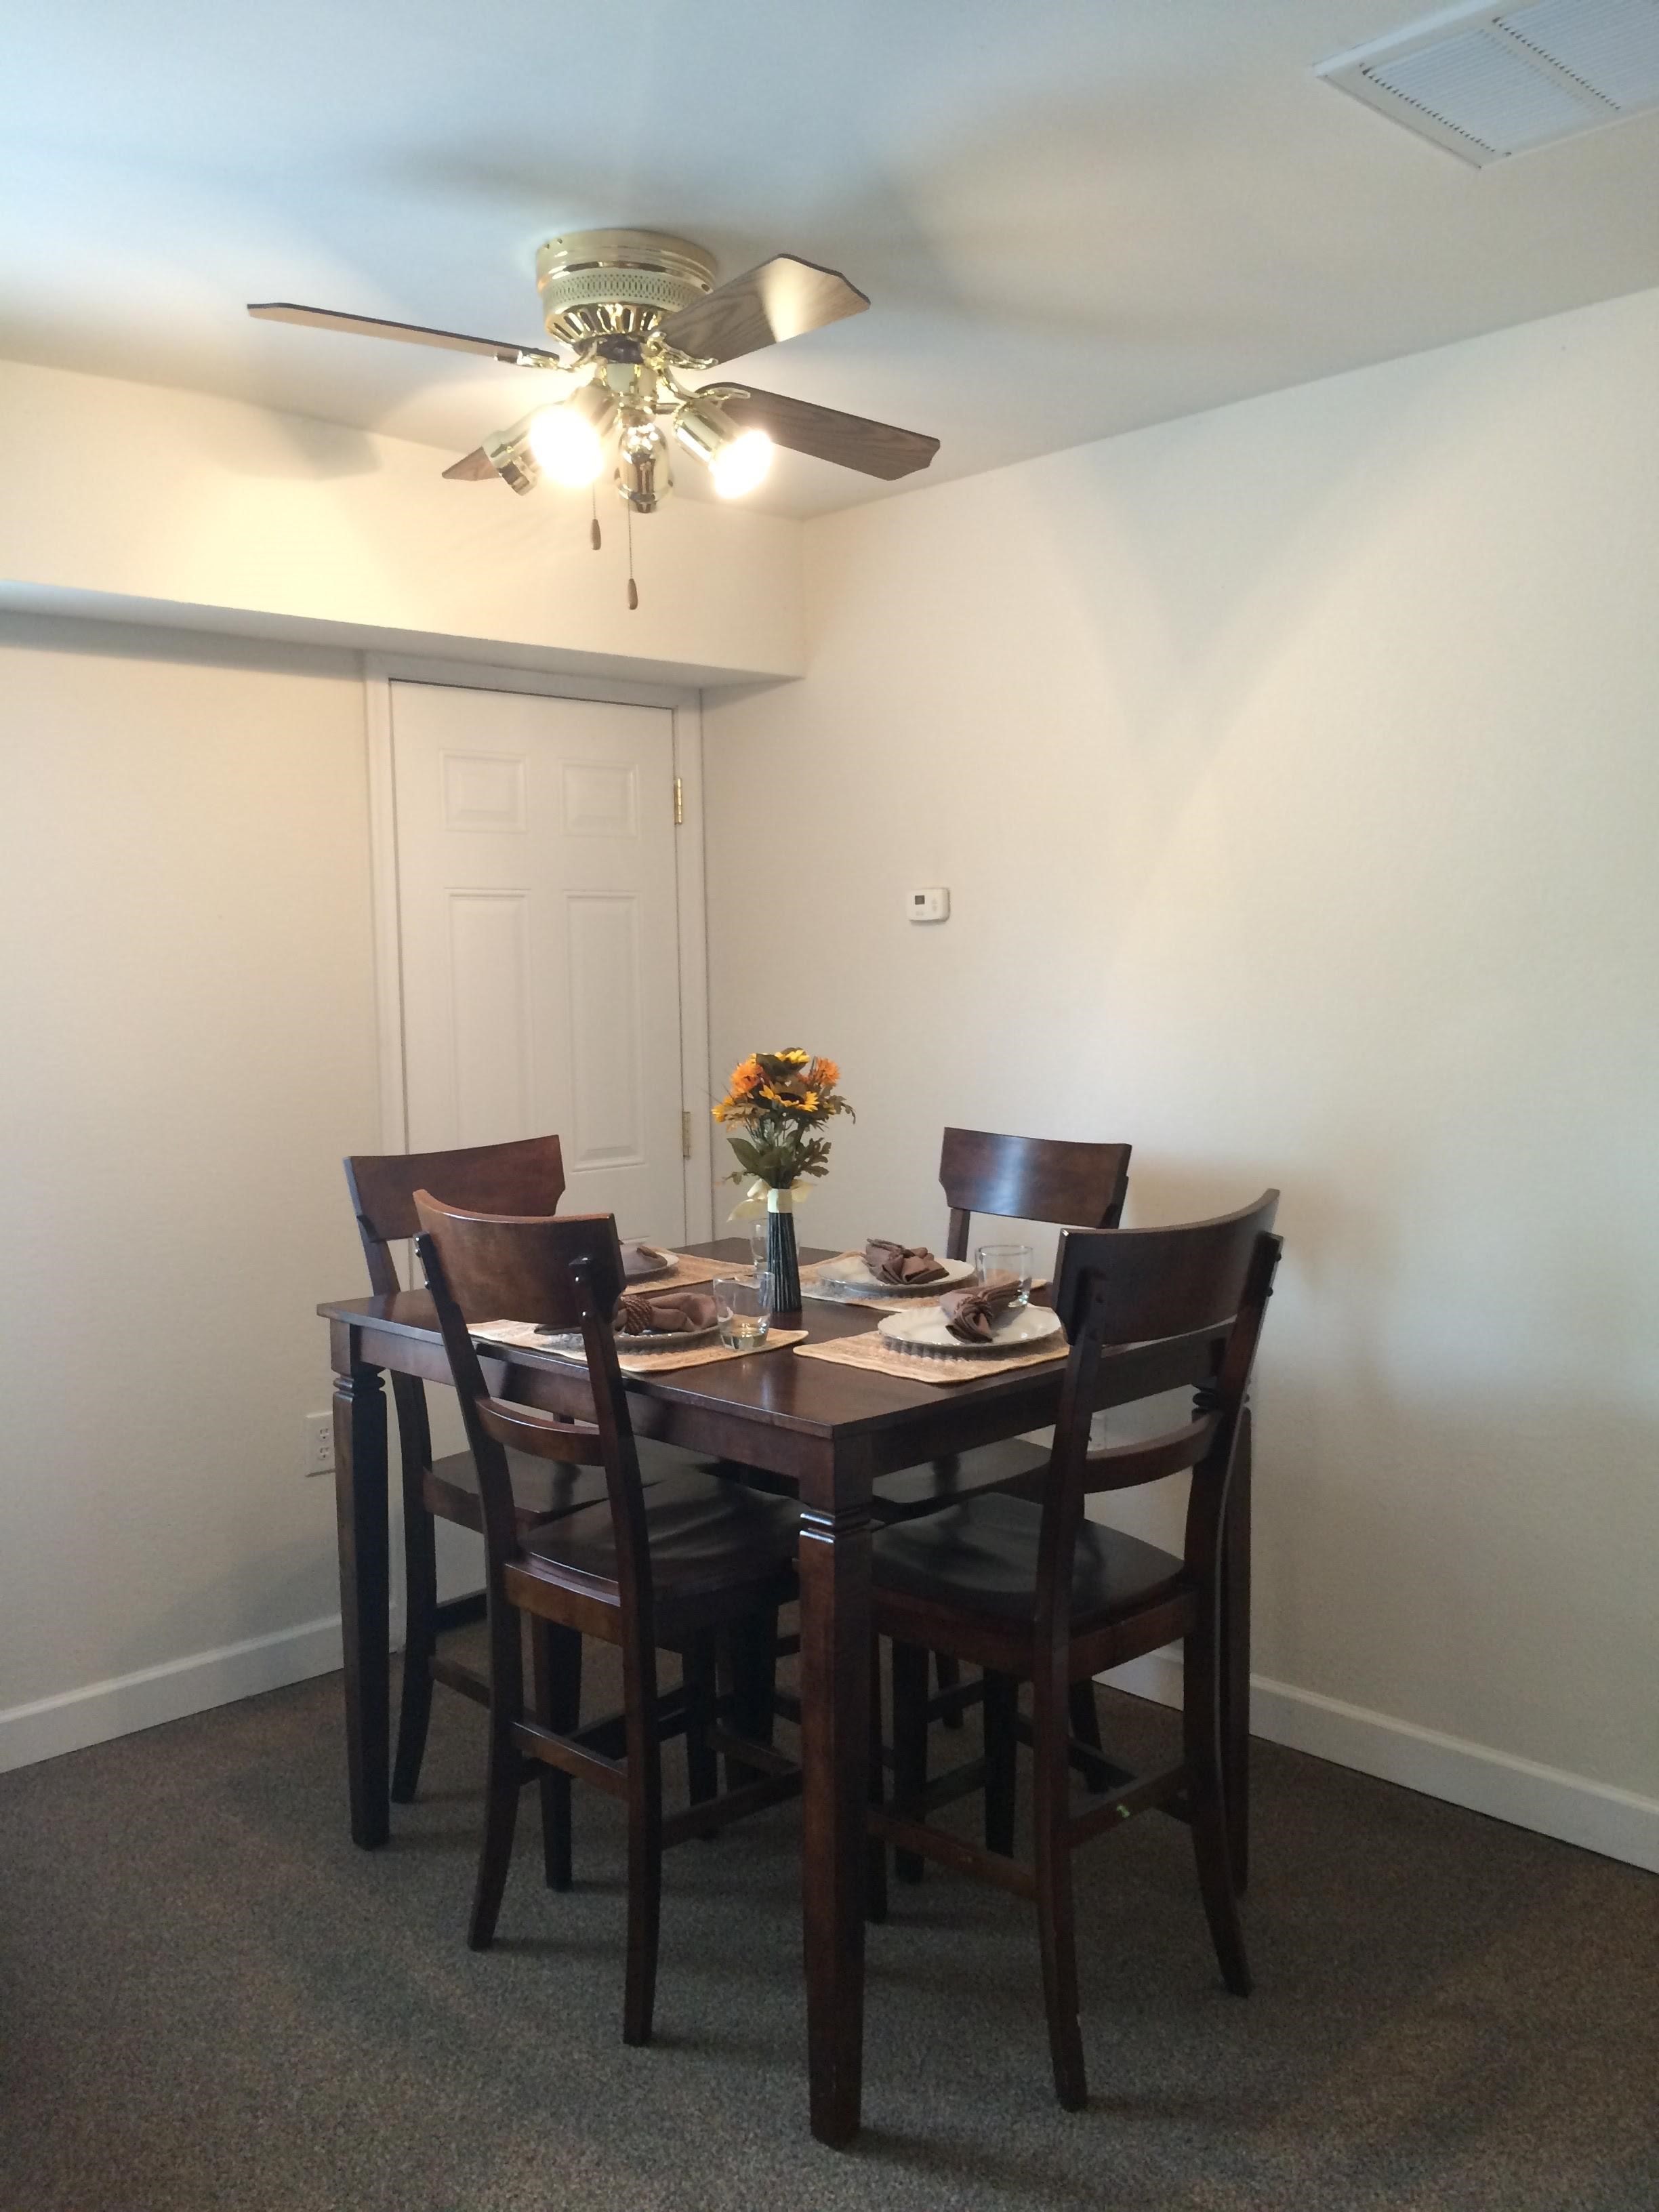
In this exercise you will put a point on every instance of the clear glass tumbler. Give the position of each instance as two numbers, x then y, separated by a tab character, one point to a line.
743	1309
758	1233
1006	1259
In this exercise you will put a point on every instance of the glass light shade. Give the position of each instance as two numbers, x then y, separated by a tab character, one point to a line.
566	444
741	466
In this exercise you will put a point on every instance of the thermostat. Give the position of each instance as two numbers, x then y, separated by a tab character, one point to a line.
933	905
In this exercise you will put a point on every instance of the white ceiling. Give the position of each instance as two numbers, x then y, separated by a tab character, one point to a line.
1072	216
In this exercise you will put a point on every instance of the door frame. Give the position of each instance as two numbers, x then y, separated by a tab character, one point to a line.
380	672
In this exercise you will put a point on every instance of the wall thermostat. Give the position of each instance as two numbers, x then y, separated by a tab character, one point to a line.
934	905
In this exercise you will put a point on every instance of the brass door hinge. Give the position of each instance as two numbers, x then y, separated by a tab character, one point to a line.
679	813
685	1133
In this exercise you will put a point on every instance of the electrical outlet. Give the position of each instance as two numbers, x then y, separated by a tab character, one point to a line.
319	1443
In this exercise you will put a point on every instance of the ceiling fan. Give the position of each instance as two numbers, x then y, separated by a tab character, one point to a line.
632	311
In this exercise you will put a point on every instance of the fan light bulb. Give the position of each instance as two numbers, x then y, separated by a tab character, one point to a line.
741	466
566	444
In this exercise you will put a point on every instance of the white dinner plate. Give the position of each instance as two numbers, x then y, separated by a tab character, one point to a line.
637	1267
852	1279
1028	1328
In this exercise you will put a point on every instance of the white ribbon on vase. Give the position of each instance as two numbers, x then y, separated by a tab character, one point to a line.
762	1197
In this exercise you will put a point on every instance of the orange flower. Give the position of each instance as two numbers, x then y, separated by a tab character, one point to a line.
825	1074
720	1111
745	1075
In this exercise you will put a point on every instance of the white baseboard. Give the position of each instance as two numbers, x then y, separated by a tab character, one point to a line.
1569	1806
1615	1822
76	1718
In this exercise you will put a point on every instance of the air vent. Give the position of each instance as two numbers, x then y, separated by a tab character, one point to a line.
1486	83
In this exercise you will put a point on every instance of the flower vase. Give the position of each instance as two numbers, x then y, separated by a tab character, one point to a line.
781	1261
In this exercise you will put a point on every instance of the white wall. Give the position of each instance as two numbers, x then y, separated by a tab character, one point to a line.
188	1015
210	510
1295	771
187	1005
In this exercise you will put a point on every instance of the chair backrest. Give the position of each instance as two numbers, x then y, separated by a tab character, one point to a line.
1029	1179
564	1274
1190	1301
524	1177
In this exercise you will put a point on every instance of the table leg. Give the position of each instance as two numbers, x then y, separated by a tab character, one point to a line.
835	1697
1235	1659
360	1501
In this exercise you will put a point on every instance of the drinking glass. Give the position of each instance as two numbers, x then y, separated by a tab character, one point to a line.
758	1233
1006	1259
743	1309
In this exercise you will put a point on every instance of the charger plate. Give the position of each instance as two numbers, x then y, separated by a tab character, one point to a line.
650	1339
847	1276
1013	1335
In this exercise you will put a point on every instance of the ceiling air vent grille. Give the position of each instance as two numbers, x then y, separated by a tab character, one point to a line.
1486	83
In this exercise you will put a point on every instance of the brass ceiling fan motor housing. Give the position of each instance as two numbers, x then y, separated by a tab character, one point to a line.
620	284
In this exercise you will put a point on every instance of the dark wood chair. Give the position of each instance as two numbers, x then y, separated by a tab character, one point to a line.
1023	1179
527	1177
674	1567
1034	1592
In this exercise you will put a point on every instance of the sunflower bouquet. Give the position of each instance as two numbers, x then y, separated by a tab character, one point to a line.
780	1102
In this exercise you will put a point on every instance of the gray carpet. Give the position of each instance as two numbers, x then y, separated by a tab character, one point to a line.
211	2000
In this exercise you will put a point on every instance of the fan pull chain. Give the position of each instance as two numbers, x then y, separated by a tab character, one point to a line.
594	502
633	588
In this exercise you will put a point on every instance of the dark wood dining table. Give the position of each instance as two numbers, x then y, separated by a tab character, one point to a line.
829	1430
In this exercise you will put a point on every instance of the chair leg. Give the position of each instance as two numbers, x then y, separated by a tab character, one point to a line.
947	1672
875	1857
909	1739
644	1844
1085	1727
1201	1732
420	1615
506	1771
502	1791
701	1767
1056	1931
556	1658
1235	1661
1001	1739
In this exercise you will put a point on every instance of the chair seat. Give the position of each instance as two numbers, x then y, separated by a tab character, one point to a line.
980	1558
543	1489
915	1490
706	1536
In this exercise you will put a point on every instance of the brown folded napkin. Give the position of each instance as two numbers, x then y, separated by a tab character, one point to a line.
640	1259
671	1312
900	1263
968	1313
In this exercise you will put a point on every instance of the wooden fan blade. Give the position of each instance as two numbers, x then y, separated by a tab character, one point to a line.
371	326
781	299
475	467
875	449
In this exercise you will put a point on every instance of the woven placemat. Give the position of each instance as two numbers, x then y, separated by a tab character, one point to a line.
875	1352
525	1335
688	1270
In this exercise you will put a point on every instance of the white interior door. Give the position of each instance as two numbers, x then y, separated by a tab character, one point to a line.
539	938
